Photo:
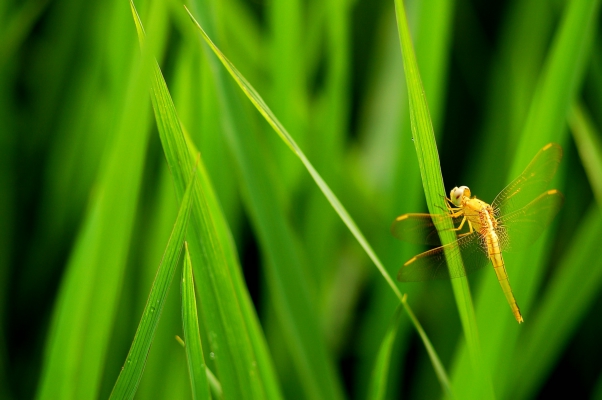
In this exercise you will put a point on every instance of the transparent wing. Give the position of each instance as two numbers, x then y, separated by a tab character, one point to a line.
521	228
431	265
420	228
530	183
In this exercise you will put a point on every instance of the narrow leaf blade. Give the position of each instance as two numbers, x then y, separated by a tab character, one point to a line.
192	338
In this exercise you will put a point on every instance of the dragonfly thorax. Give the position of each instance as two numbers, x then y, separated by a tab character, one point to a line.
457	193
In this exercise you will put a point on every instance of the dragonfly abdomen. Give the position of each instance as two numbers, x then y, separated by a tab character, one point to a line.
495	255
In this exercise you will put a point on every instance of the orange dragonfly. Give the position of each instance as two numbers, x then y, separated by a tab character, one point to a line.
514	220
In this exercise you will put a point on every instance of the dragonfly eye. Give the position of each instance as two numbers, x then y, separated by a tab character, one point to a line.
457	193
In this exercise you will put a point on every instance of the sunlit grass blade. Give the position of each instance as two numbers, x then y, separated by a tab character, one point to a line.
273	121
214	385
229	203
430	170
290	286
589	146
212	382
336	204
192	338
289	141
131	373
242	363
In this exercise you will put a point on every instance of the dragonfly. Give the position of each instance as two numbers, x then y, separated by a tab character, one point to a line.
514	220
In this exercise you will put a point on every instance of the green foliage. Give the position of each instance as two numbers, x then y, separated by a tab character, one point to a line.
194	350
314	132
131	372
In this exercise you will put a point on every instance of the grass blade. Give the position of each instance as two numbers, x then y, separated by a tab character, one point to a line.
289	141
288	281
334	201
131	372
430	171
192	338
243	365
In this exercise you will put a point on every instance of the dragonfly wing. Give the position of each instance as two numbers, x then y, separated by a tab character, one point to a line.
420	228
520	229
531	182
432	265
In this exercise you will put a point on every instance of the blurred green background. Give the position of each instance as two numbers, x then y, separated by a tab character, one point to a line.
77	135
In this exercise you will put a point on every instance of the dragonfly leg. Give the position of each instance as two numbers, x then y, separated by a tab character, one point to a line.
461	224
452	209
471	229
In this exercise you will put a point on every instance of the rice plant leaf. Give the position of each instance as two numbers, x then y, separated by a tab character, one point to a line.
290	142
131	372
291	288
242	362
256	99
214	385
378	383
194	350
430	171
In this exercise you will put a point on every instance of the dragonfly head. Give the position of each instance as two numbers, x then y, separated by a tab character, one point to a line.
457	193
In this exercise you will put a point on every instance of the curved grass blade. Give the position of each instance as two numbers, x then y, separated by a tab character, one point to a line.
214	385
241	358
430	171
194	350
330	196
131	372
290	142
290	286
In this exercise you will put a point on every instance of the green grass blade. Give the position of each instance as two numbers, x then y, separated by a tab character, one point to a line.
292	295
226	192
234	338
131	372
214	385
290	142
589	146
430	171
330	196
192	338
